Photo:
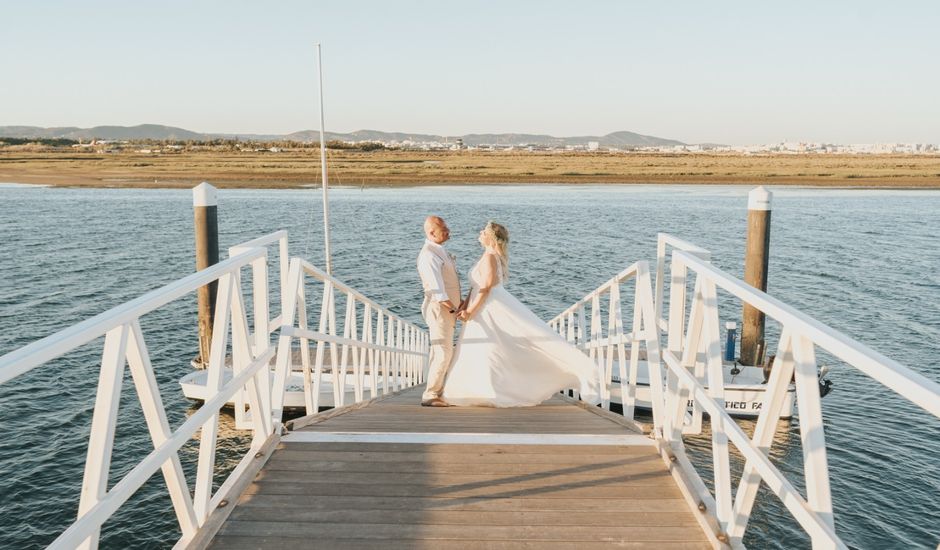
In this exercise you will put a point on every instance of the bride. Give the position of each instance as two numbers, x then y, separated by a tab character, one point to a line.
506	356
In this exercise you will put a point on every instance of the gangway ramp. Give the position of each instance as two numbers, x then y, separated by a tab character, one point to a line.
392	474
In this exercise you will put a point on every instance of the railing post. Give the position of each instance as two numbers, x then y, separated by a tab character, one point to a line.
615	344
645	317
755	270
260	293
380	337
283	362
812	434
720	455
660	279
206	226
772	405
596	352
103	422
674	342
207	438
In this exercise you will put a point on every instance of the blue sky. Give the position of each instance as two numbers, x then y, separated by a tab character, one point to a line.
727	72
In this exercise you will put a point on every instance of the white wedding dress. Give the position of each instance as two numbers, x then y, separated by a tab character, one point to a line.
507	357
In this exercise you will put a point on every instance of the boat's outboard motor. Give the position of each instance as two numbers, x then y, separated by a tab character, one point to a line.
768	366
825	385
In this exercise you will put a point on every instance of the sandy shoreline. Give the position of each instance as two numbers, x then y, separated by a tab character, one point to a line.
301	169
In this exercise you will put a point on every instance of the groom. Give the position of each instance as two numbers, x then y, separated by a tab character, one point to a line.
438	271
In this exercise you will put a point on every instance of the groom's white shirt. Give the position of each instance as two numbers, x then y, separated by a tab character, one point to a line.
431	261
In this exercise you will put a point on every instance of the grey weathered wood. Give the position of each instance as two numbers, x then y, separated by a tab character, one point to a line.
445	481
385	531
579	489
463	517
218	516
385	448
535	504
252	543
619	466
407	495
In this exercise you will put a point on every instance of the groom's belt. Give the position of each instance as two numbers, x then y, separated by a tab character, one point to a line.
429	293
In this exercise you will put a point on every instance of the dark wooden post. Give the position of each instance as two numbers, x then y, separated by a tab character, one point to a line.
755	271
205	208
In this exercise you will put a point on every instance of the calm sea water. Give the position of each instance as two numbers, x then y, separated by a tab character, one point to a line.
864	262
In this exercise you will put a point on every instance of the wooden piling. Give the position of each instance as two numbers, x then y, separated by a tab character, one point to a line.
755	271
205	209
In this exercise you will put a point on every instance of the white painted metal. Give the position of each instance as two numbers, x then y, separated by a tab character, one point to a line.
124	343
279	237
394	348
130	483
664	240
796	356
914	387
209	431
249	385
694	374
815	465
811	522
138	359
41	351
283	361
763	433
720	457
603	343
104	420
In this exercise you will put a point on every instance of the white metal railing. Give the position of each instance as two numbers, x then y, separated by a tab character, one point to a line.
393	350
263	325
279	237
124	343
693	374
664	242
605	345
796	359
400	352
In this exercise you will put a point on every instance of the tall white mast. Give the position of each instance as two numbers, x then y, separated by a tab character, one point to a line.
326	185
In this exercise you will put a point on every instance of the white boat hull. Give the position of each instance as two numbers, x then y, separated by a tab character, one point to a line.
194	387
744	392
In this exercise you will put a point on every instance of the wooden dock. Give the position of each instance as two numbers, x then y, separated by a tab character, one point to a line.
389	473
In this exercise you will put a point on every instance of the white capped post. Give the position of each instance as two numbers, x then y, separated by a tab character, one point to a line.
204	194
326	185
205	209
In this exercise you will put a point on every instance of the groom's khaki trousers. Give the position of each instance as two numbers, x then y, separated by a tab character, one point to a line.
441	323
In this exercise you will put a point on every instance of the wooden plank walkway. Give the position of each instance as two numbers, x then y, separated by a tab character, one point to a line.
393	474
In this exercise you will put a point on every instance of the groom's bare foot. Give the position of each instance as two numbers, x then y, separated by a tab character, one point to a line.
436	402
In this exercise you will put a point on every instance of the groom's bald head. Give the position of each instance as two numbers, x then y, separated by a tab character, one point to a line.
436	230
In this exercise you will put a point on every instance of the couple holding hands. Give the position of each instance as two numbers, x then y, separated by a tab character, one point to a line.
505	355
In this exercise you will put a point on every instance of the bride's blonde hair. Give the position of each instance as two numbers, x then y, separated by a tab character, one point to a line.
500	236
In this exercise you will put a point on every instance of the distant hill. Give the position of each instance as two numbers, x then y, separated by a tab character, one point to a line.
156	131
142	131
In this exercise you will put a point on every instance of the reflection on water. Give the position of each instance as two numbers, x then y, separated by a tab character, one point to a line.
861	261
